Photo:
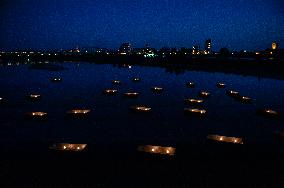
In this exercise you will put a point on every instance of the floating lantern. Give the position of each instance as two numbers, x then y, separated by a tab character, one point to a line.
218	138
157	89
157	150
34	97
268	113
244	99
110	91
116	82
195	111
193	101
131	94
190	84
142	109
220	85
56	79
136	79
204	94
68	147
233	94
78	112
37	114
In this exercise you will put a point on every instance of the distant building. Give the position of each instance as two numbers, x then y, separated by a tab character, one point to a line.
147	51
207	47
195	50
185	51
125	49
164	51
275	46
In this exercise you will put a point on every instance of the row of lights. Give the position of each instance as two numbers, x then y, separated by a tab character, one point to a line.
153	149
202	94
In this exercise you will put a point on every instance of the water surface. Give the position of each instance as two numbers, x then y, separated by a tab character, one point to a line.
111	121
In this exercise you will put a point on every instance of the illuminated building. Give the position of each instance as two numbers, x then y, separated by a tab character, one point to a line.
195	50
125	49
207	47
147	51
275	46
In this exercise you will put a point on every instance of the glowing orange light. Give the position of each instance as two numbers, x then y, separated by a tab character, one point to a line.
219	138
78	111
157	149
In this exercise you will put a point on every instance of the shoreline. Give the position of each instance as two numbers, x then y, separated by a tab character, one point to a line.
263	68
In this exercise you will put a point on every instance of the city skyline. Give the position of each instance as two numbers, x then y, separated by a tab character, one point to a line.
47	25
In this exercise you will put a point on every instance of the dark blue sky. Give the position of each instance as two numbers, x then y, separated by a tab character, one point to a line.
55	24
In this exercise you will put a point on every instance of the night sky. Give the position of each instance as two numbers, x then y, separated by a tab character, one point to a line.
56	24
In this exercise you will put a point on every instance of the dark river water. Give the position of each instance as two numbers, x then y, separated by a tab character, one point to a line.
111	121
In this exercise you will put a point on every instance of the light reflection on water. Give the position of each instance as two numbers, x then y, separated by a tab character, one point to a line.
111	121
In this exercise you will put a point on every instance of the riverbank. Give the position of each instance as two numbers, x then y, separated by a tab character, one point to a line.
262	67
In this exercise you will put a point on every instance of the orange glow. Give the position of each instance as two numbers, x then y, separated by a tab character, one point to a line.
194	111
270	111
68	147
219	138
204	94
157	149
78	111
110	91
140	109
193	101
131	94
38	114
